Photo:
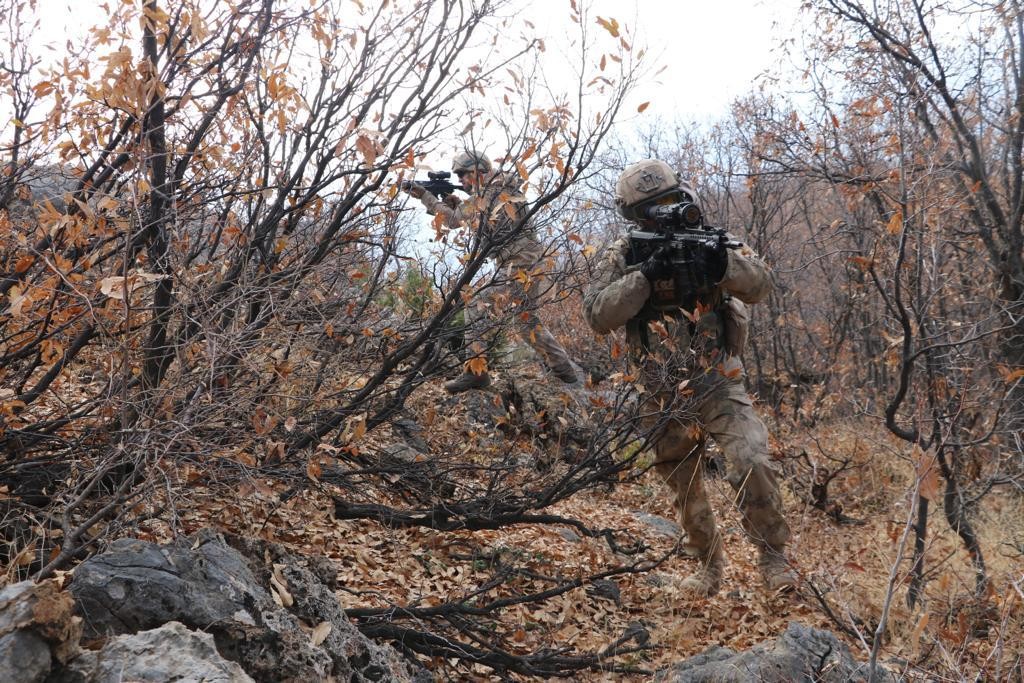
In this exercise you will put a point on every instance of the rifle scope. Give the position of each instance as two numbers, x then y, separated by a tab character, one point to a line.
439	175
683	214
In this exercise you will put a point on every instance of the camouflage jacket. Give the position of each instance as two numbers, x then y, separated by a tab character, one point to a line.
618	293
498	212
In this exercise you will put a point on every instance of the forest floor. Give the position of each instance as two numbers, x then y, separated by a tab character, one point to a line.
844	566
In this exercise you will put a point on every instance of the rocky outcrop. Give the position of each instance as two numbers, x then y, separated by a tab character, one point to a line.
38	631
801	654
272	613
169	653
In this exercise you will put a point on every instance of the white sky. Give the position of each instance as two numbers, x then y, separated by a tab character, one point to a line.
713	49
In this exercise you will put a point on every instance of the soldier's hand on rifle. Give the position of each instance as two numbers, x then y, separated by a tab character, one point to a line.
658	265
715	260
412	188
451	200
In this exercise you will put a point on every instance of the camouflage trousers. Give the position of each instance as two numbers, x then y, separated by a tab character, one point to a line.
514	299
727	415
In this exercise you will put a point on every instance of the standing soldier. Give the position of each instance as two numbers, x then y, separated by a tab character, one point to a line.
497	210
686	326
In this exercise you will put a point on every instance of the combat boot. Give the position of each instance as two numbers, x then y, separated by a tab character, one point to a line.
566	373
688	549
706	581
775	570
466	381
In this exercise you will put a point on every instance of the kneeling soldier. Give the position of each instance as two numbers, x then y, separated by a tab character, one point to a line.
497	210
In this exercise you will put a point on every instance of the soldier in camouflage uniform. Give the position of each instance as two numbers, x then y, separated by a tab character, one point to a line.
691	374
496	208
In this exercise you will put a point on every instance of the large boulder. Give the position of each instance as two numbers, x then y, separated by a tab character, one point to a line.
269	611
137	585
169	653
801	654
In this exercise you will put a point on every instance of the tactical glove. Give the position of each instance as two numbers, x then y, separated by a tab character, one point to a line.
413	188
716	260
659	265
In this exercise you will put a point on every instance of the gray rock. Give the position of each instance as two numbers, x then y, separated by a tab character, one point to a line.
802	653
169	653
669	529
403	453
660	525
38	629
15	608
355	657
136	585
206	584
569	535
24	658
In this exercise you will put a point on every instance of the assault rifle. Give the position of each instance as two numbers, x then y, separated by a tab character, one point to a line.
679	229
439	184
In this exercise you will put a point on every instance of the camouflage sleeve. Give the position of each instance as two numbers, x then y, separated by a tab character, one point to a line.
502	210
614	295
453	216
747	277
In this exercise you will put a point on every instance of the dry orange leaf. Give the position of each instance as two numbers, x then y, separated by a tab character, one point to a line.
863	263
1010	376
477	365
610	25
23	264
927	473
895	223
314	470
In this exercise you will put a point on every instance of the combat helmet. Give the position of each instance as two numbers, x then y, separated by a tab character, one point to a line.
471	160
646	182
